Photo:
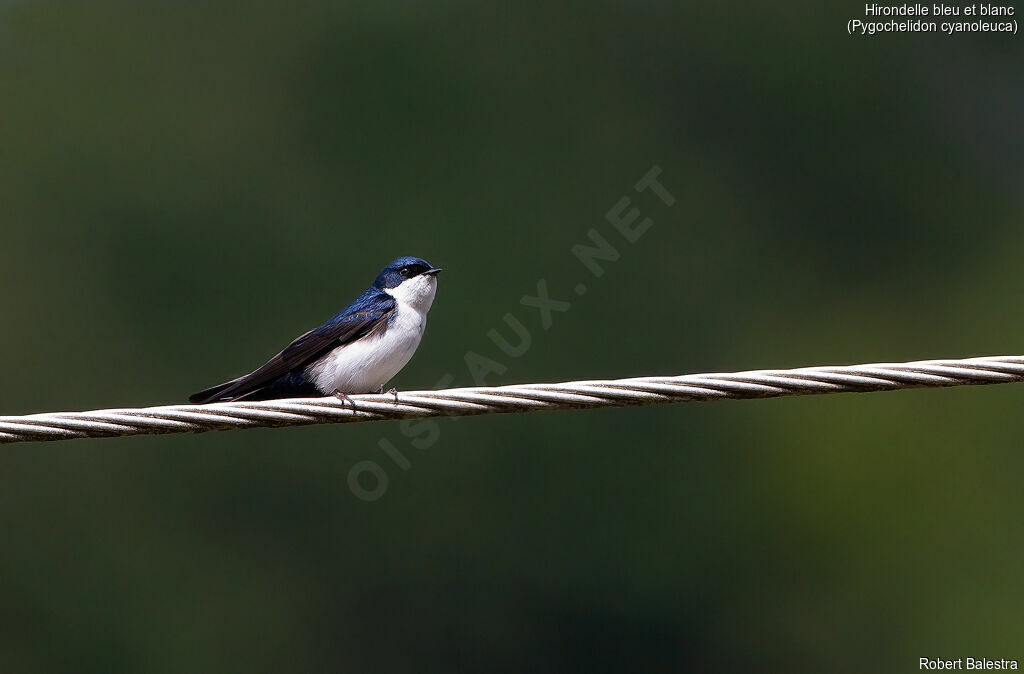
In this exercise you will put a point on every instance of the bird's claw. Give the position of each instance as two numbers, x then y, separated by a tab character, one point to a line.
394	392
344	398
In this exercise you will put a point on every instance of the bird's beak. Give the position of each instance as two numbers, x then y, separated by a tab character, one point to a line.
433	272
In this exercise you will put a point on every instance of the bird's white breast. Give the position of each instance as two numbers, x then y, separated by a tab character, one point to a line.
365	365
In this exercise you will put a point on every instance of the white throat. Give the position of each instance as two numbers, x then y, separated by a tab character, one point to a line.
416	293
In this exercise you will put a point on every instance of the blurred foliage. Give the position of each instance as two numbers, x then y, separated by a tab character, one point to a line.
184	187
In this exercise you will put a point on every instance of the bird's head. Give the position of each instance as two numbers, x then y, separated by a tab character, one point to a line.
410	280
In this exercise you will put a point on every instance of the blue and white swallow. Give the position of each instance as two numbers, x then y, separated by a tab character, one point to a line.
357	351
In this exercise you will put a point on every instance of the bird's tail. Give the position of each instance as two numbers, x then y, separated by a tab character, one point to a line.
214	393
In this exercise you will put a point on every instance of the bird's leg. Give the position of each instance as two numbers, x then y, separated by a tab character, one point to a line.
393	392
344	398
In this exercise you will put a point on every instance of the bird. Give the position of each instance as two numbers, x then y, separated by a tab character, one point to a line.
359	350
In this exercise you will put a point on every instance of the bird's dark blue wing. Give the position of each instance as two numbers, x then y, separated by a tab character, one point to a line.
366	315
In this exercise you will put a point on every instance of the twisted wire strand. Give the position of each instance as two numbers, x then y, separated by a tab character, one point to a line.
516	398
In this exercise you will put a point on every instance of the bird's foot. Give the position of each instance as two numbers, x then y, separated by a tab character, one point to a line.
344	398
393	392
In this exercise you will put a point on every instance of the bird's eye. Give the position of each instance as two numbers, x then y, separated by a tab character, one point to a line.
404	271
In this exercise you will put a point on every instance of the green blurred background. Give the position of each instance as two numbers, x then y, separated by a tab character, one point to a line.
184	187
